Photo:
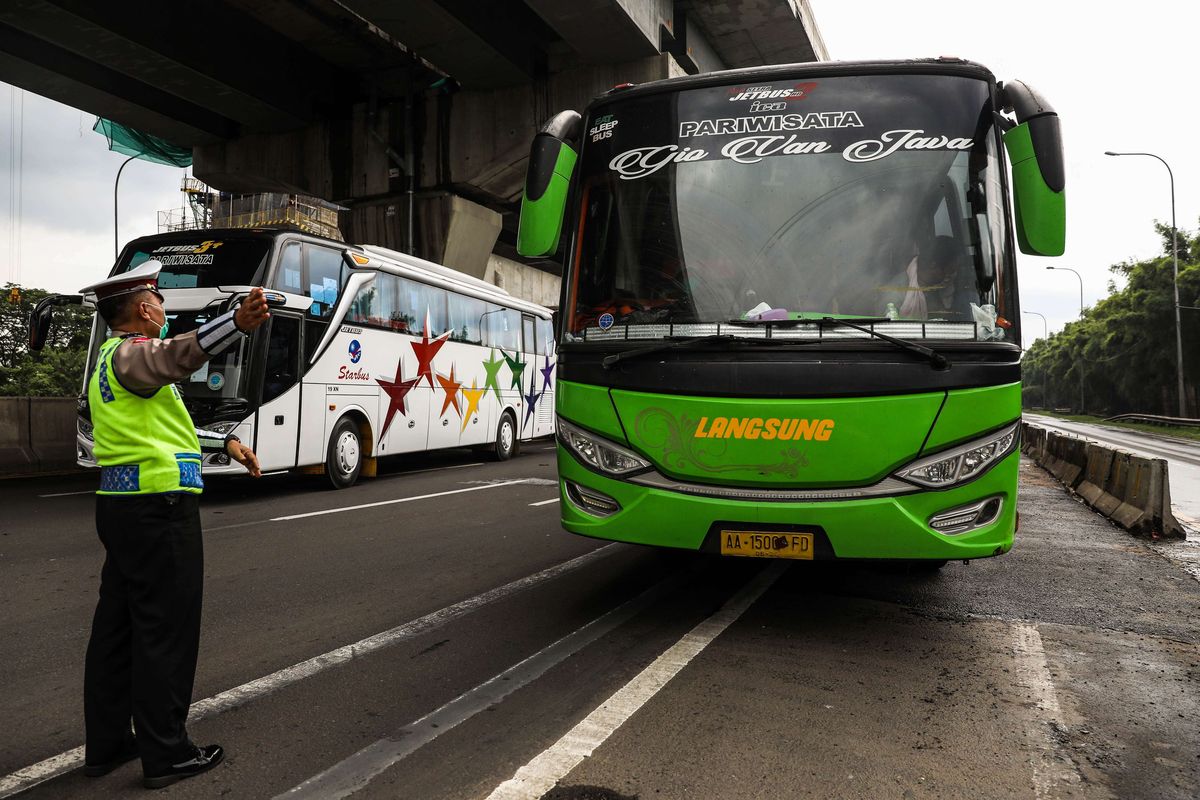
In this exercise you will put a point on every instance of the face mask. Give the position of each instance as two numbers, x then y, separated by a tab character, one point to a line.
162	331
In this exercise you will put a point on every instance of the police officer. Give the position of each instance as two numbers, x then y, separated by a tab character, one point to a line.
141	658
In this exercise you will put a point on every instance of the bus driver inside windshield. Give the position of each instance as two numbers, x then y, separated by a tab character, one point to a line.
928	286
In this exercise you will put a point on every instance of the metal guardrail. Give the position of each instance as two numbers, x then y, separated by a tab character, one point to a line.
1154	419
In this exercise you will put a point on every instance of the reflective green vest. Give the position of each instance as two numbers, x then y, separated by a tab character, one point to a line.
144	445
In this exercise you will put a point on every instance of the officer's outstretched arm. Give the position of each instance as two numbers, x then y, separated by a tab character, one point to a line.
143	364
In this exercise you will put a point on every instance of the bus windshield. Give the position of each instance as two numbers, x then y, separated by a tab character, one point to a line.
875	196
203	263
218	379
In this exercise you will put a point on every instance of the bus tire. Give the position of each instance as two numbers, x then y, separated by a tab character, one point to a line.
344	458
507	444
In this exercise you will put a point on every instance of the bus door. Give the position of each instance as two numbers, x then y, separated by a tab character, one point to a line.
529	385
278	422
547	367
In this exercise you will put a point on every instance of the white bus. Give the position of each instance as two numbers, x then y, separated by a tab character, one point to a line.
375	353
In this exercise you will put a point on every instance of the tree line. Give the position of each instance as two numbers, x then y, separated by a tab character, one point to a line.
57	371
1121	356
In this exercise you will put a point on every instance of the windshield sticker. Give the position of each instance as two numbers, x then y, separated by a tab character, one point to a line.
215	381
200	375
797	91
642	161
606	321
173	255
772	123
602	127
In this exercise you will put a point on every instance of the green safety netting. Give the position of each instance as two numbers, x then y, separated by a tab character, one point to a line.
131	142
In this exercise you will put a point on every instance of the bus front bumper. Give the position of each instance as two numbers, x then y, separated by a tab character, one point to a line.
866	528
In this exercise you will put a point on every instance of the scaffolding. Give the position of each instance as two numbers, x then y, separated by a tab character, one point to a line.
205	208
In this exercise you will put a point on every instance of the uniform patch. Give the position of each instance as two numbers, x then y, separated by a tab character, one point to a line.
120	479
105	390
189	475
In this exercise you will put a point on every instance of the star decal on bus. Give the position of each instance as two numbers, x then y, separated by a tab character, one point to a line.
516	366
531	401
450	386
492	368
426	350
473	396
396	389
546	370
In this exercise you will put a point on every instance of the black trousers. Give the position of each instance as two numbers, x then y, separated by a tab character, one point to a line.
141	658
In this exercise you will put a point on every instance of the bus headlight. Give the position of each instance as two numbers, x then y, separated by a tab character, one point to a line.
222	428
598	452
963	463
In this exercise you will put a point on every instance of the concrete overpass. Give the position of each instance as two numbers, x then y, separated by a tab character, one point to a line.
416	114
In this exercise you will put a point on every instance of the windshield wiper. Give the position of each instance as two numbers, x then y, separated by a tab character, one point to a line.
938	360
726	338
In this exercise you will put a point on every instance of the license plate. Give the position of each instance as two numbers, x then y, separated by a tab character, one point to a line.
767	544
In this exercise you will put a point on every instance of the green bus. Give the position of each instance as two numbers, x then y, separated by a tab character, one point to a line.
789	323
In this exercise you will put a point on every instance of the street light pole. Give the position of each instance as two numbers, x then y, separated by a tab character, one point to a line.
1045	327
116	184
1081	364
1046	336
1175	260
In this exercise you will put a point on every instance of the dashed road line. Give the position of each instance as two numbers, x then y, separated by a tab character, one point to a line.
54	766
541	774
545	502
68	494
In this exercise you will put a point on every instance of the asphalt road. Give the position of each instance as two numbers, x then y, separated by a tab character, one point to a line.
438	636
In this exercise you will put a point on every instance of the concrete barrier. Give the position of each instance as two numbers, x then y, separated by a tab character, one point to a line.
16	454
36	435
1131	490
52	422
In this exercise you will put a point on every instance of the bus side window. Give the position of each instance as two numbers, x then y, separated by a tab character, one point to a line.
289	274
418	300
545	334
466	317
503	327
528	339
325	278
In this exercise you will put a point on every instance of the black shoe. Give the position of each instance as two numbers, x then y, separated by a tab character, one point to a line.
128	753
205	759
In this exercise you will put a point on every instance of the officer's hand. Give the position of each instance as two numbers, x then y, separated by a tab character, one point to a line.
244	456
252	312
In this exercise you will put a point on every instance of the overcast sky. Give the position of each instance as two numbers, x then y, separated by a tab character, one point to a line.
1120	81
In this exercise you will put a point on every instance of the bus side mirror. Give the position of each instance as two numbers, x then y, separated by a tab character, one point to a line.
42	317
556	324
1035	149
547	184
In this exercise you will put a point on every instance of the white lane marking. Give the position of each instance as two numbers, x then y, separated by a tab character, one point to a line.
1051	771
68	494
435	469
545	502
542	773
54	766
356	771
397	500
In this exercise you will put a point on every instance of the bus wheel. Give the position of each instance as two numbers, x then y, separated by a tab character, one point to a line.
345	458
506	438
